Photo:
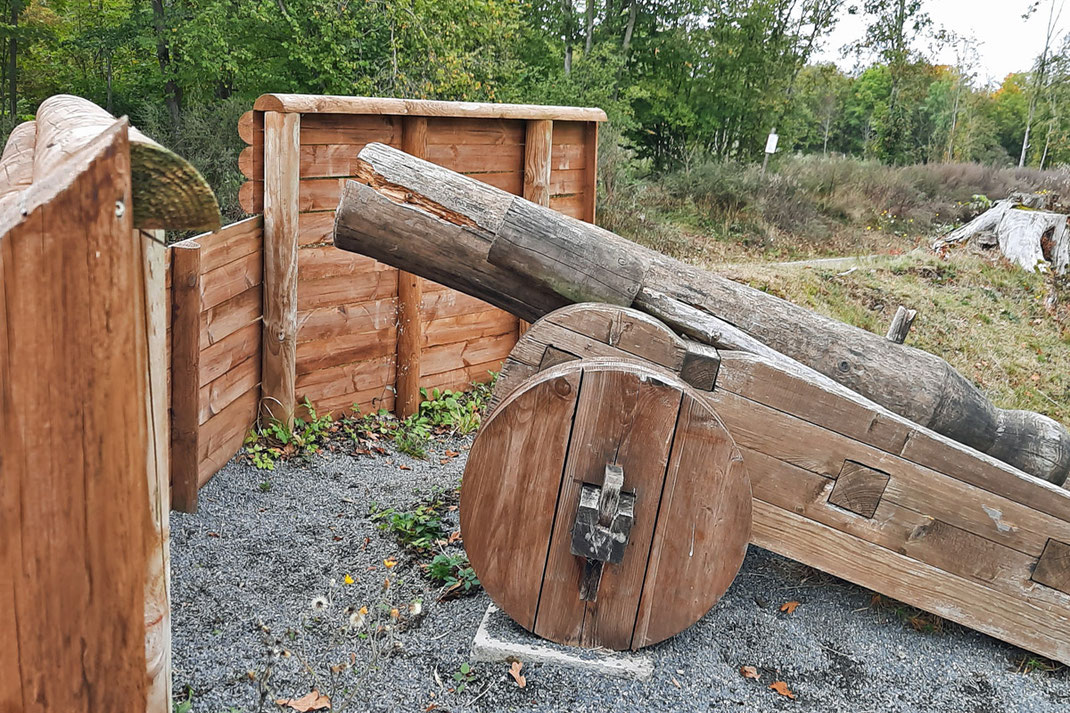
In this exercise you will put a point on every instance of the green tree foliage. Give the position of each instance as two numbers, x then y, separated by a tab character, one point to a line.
683	81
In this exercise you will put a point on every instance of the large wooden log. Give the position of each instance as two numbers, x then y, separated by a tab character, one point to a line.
169	193
530	260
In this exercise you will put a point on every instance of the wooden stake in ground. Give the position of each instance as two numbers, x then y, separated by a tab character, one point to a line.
530	260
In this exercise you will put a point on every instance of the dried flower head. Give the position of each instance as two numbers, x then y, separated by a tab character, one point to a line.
320	604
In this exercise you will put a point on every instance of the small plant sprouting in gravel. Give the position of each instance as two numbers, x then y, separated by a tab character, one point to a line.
454	572
464	676
419	528
265	446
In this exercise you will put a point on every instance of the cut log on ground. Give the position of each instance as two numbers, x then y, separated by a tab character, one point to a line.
1026	233
169	193
529	260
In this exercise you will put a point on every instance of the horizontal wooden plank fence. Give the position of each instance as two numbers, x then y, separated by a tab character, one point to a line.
250	333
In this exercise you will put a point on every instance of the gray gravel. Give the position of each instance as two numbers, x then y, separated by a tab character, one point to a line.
247	566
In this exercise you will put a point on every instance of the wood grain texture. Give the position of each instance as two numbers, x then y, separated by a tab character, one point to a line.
185	373
529	260
508	501
169	193
320	104
1053	567
76	526
631	415
280	266
158	469
537	146
624	419
590	189
859	488
706	488
410	297
972	532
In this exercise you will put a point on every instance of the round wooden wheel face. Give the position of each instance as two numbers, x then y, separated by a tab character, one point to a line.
538	468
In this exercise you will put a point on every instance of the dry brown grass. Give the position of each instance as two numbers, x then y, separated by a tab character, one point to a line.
989	319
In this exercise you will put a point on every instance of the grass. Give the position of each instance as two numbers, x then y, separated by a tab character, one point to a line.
1005	329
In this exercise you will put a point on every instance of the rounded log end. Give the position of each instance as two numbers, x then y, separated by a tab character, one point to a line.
169	193
1035	444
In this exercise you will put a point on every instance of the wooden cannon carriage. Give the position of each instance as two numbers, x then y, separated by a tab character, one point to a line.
639	438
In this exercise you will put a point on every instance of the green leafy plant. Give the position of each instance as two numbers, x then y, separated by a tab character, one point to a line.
185	705
418	529
454	571
275	442
412	436
464	676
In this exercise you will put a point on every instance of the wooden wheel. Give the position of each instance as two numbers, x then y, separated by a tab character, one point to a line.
604	504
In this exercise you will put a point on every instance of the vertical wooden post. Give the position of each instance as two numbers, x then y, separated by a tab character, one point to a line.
538	145
185	373
75	522
590	184
157	577
410	297
282	167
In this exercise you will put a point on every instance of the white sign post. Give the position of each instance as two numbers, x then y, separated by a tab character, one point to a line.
770	148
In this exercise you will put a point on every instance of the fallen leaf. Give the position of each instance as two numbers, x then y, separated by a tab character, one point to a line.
389	562
336	538
347	579
674	681
454	536
213	534
314	701
451	454
789	607
749	672
514	671
394	613
443	461
404	467
782	688
386	584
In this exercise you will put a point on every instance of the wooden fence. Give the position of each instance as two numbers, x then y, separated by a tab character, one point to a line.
266	312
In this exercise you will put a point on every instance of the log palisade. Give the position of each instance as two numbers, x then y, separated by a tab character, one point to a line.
529	260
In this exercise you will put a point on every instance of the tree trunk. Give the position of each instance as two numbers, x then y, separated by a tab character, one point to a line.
530	260
13	62
629	29
172	92
566	11
589	30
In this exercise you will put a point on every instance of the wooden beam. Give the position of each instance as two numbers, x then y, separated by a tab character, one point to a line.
319	104
75	521
185	372
590	188
538	145
158	469
281	165
410	297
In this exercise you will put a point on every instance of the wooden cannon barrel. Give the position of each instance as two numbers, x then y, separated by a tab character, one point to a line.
604	504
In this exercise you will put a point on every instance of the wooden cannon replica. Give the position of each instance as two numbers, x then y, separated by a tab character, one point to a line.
656	418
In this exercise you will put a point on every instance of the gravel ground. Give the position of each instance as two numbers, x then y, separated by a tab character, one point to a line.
247	567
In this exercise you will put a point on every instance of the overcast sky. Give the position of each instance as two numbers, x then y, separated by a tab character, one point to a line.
1007	42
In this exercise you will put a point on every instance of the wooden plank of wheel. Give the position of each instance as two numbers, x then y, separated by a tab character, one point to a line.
605	505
